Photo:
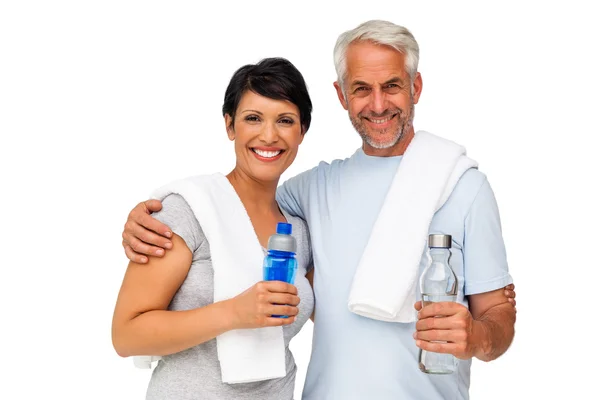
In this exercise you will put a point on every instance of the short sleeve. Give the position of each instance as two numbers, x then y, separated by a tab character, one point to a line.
292	195
486	266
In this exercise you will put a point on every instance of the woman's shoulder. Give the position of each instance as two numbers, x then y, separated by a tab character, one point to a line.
177	214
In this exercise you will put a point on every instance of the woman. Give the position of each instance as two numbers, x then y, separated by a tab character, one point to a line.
166	307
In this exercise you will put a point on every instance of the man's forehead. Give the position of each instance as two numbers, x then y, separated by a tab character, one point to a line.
367	62
373	77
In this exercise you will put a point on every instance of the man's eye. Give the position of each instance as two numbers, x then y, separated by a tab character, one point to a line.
392	88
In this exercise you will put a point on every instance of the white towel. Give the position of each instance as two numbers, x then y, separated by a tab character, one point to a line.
385	282
245	355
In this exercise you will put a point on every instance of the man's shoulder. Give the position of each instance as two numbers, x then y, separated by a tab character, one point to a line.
471	180
322	170
467	187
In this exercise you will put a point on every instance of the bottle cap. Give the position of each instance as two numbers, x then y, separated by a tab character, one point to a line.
283	239
440	241
284	228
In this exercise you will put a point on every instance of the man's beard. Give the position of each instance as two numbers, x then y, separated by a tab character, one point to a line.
405	122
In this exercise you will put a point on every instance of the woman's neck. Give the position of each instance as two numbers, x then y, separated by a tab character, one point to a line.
257	196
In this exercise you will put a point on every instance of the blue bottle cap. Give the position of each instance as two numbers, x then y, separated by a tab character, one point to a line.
284	228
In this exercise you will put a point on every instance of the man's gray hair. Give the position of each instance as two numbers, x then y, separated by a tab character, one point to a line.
380	32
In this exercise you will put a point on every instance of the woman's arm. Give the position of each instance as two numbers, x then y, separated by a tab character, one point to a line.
141	323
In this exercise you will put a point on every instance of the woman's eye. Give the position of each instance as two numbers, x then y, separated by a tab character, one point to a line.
287	121
251	118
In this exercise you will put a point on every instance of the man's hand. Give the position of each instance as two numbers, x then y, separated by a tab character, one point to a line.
509	292
449	327
143	235
447	322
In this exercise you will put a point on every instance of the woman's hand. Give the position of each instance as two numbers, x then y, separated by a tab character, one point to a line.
255	307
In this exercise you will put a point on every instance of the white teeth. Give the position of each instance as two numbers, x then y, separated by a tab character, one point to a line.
380	121
266	154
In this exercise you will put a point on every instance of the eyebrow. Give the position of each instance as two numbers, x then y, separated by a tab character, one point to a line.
260	113
392	80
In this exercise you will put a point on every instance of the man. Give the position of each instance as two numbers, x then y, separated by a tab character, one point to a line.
362	358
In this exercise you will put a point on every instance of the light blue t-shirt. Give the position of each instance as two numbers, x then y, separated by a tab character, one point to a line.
357	358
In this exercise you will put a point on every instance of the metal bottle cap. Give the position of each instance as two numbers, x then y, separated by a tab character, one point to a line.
440	241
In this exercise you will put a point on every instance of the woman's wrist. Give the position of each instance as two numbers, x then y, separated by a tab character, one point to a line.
229	318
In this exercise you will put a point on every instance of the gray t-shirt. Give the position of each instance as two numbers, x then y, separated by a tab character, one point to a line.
195	373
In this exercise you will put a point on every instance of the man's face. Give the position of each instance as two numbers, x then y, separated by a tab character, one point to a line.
378	94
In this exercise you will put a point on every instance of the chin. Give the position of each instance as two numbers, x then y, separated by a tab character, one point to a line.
267	174
380	143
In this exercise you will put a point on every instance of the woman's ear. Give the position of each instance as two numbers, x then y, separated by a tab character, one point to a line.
229	127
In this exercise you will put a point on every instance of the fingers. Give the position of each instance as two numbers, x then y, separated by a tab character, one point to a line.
510	294
142	233
441	323
134	231
443	308
277	287
513	302
140	215
140	247
152	224
273	321
445	335
133	256
283	298
275	309
152	205
418	306
447	348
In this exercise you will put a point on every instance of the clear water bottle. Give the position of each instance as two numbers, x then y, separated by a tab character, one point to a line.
438	283
280	264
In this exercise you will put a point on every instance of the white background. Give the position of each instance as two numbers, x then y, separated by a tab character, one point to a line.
101	102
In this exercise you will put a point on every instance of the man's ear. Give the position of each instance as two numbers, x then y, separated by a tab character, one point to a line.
229	127
417	87
340	93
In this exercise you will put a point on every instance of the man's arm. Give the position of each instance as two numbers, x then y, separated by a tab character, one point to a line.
494	323
145	236
486	329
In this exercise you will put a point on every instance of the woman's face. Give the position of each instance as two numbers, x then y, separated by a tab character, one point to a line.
267	134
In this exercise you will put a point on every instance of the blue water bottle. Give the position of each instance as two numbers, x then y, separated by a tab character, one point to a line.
280	264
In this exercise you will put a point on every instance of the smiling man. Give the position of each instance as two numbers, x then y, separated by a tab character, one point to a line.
355	357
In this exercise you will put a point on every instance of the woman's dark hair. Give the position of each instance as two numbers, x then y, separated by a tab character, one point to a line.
275	78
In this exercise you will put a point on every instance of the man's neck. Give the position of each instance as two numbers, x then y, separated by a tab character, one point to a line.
396	150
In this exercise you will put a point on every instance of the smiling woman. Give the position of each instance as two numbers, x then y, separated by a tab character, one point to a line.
267	134
170	308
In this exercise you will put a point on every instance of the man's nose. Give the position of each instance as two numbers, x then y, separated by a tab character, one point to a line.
378	102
